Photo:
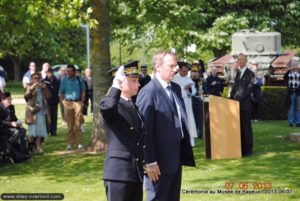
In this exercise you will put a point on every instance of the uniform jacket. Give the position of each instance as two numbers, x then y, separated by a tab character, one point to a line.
143	80
163	137
124	156
9	115
242	88
30	96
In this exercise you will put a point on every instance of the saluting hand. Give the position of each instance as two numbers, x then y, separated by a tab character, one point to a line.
119	78
153	172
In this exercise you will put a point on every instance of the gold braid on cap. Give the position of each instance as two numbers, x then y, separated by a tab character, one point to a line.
131	70
195	67
113	74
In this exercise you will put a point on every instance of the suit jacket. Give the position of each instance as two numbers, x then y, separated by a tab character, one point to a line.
124	156
216	89
163	137
53	87
242	88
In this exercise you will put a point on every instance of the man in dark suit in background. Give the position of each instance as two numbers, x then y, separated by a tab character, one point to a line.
123	167
52	84
144	77
167	141
241	91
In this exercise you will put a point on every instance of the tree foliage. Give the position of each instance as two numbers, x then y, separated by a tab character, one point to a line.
209	24
43	29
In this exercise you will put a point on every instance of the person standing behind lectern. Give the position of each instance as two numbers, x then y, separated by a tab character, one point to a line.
123	166
241	91
167	141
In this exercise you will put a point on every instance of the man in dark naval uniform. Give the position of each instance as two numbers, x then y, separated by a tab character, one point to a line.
123	167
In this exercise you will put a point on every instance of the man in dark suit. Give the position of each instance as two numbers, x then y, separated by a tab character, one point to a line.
52	84
123	167
167	141
241	91
144	77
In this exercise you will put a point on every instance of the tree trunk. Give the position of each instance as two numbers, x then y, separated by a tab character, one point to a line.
16	67
100	60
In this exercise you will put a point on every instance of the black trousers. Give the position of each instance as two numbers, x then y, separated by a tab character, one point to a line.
255	110
91	99
167	188
198	114
52	126
123	191
246	132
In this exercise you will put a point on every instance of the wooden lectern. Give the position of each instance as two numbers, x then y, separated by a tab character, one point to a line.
222	128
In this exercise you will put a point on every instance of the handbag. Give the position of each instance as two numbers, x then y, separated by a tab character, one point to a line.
34	109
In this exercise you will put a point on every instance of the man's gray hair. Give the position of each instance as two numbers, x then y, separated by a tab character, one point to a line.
159	56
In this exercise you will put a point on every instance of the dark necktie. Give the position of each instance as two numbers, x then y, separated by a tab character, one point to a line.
178	121
171	96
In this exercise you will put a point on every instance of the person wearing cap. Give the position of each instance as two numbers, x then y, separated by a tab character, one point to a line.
52	84
241	91
195	76
188	90
72	96
167	140
112	72
13	124
144	77
292	77
123	166
13	141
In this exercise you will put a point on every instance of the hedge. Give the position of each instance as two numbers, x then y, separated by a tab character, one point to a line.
272	106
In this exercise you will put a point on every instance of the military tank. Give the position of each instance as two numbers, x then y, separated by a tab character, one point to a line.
263	49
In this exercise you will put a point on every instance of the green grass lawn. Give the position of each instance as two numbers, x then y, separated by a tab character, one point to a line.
15	88
78	177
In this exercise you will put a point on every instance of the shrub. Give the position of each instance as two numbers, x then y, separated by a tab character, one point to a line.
272	106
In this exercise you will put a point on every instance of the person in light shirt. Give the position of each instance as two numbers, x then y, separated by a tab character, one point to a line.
188	90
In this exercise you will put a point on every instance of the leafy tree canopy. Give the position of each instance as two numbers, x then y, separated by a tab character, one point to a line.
43	29
209	24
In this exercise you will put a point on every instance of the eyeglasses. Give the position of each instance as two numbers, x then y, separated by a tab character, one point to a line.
36	78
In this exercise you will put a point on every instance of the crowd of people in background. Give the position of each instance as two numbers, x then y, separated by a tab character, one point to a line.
73	93
43	92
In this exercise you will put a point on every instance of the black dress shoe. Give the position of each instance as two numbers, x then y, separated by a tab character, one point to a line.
297	125
291	125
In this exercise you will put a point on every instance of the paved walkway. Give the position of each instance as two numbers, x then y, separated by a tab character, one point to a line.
18	101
